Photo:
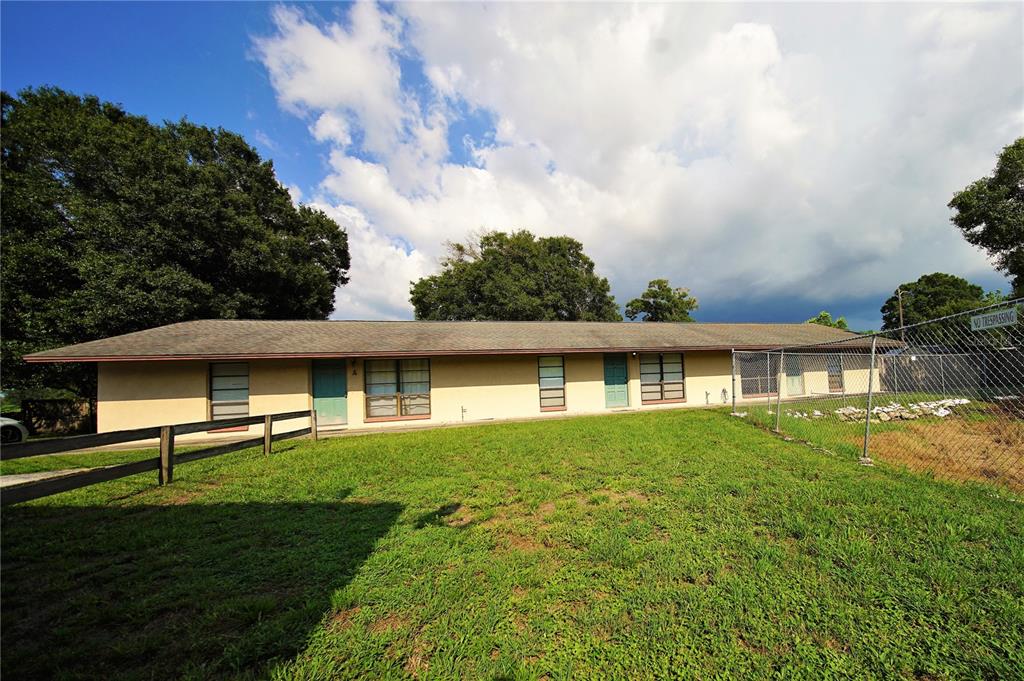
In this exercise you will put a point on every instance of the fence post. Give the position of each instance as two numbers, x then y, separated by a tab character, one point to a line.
734	381
268	427
865	460
778	390
312	425
942	375
166	474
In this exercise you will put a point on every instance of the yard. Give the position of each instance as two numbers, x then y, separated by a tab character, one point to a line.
679	543
981	441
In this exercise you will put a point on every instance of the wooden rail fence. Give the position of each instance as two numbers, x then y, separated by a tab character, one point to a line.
163	464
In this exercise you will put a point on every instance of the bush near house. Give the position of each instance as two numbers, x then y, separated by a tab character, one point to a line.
633	545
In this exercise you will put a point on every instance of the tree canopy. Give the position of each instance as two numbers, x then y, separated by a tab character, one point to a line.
662	303
112	224
517	276
990	213
825	319
933	296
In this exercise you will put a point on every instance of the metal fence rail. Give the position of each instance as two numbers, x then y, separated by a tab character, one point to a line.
944	397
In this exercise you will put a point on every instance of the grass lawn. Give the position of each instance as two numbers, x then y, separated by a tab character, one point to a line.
676	543
981	441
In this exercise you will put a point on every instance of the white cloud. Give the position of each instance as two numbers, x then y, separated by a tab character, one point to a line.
743	152
381	269
351	76
332	127
295	192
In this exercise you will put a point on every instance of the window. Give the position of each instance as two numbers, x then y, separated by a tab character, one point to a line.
834	369
551	374
661	378
759	374
397	388
229	391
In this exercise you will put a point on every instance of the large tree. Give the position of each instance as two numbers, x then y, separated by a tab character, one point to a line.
990	213
824	318
112	224
662	303
933	296
515	276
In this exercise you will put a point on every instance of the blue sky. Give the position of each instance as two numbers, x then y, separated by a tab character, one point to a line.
165	61
772	169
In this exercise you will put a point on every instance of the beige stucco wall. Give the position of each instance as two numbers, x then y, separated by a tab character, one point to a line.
141	394
491	387
277	386
466	388
496	387
815	378
708	372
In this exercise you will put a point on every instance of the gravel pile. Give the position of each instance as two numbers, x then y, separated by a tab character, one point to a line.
898	412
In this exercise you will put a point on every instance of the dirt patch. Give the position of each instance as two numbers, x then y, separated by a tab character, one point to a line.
388	623
518	542
547	508
957	449
599	495
418	661
460	519
343	619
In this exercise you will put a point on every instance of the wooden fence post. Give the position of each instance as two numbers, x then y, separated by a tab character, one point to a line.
312	424
166	455
268	426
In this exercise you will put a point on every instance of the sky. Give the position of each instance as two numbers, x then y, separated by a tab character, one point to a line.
775	159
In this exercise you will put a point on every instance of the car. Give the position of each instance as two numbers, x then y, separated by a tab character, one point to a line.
12	431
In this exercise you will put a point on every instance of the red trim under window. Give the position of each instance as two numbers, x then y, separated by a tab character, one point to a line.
672	401
381	419
562	408
229	430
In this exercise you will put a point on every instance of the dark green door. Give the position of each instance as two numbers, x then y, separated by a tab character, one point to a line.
330	392
616	381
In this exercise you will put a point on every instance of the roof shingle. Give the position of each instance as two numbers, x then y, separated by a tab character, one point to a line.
219	338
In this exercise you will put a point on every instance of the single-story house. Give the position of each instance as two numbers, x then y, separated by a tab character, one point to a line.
380	374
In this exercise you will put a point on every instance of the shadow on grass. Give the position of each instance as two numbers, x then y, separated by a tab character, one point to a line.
437	516
201	590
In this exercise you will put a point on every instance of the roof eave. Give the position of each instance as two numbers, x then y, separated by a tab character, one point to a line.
41	358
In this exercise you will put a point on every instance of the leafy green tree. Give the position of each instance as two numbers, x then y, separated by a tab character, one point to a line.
990	213
933	296
515	276
662	303
112	224
825	319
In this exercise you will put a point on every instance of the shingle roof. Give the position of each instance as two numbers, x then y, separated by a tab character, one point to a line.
223	339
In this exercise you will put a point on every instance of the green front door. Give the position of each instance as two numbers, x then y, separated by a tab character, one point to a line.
330	392
616	381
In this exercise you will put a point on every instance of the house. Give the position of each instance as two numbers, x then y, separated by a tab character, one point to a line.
380	374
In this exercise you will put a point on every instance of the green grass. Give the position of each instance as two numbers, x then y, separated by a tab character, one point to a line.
677	543
93	459
977	443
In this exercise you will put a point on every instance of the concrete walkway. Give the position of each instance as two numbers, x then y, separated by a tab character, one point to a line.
19	478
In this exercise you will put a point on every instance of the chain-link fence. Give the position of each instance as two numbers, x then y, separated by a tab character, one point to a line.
945	397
